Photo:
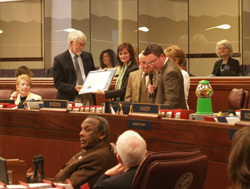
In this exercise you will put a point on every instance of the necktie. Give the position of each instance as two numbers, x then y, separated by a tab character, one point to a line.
78	72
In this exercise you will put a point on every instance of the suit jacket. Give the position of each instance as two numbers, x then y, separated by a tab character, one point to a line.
64	74
29	97
134	85
87	166
170	87
122	181
121	92
234	68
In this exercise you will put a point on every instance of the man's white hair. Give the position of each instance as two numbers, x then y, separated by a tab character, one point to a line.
76	35
131	147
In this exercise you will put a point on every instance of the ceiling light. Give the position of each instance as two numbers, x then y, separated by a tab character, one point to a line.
66	30
1	31
144	29
223	26
1	1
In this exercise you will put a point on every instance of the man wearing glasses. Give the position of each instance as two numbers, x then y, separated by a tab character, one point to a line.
169	88
70	70
137	90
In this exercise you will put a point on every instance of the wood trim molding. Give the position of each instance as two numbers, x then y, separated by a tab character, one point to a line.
209	55
19	59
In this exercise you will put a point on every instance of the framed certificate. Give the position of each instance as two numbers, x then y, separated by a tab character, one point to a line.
97	80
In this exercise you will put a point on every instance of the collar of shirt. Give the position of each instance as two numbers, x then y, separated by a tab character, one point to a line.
72	55
165	62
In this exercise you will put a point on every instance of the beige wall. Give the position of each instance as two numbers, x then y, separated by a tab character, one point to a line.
110	22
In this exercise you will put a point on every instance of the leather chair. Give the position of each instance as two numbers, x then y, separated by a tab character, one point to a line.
173	169
5	93
237	99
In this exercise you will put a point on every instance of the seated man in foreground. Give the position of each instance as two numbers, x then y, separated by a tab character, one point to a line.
131	151
96	157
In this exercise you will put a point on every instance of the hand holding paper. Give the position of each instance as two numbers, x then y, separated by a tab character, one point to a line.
98	80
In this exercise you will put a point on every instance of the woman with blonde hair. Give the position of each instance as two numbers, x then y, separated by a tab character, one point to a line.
177	55
239	159
23	85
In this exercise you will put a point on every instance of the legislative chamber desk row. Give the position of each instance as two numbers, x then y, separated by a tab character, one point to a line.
25	134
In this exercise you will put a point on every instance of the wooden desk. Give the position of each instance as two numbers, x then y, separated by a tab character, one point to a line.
222	86
25	134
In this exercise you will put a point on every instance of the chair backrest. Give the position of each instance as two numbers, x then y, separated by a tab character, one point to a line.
245	105
237	99
171	170
3	171
19	169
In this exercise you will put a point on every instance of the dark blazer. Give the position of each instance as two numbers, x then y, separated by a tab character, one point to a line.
170	87
121	92
89	167
233	65
122	181
65	76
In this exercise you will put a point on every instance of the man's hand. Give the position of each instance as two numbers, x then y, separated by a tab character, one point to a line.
78	88
101	92
151	88
116	170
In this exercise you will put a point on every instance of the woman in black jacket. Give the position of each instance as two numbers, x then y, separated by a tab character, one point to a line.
227	66
127	63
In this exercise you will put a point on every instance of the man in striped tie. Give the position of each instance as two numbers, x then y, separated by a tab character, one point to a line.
71	68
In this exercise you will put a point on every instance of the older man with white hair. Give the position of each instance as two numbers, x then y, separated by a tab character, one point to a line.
131	151
71	68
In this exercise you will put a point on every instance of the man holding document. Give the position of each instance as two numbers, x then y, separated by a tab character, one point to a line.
71	68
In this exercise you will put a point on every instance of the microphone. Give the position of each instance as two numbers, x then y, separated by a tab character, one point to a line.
151	82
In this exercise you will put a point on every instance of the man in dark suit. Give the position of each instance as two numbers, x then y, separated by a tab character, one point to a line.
169	88
71	68
137	90
131	151
96	157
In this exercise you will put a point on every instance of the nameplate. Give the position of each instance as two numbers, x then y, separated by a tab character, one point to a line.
59	104
139	124
231	133
245	115
145	108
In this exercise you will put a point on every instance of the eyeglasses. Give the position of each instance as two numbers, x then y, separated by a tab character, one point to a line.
80	44
152	62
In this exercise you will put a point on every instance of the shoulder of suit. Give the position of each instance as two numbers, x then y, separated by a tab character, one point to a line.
218	61
233	60
134	67
63	55
84	53
36	96
136	72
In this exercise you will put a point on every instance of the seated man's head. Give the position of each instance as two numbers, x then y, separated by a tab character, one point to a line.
238	161
131	148
94	130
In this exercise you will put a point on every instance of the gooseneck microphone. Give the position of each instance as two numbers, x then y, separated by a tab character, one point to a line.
151	82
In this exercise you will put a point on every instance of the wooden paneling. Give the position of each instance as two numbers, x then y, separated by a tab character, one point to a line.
25	134
222	86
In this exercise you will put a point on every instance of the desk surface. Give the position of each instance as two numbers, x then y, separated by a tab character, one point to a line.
25	134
